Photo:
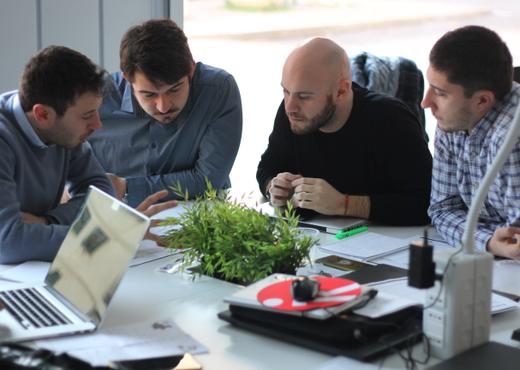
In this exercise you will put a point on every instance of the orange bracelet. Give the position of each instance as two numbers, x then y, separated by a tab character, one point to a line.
346	204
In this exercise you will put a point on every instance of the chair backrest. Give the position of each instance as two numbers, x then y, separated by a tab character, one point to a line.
516	74
397	77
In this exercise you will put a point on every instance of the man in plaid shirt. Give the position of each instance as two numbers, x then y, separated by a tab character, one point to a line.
473	98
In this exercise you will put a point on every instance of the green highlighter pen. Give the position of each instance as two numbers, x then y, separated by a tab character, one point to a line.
346	233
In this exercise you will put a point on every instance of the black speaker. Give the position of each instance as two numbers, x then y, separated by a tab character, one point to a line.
304	289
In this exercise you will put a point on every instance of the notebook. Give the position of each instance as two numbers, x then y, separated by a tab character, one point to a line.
82	278
326	224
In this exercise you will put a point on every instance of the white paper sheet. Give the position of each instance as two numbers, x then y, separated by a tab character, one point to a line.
506	274
401	258
397	294
366	246
384	304
33	272
343	363
149	251
158	338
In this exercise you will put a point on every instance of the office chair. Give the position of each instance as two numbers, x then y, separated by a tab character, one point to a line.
397	77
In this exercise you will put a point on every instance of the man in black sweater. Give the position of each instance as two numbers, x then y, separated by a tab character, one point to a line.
339	149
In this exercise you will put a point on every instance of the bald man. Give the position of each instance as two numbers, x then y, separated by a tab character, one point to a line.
338	149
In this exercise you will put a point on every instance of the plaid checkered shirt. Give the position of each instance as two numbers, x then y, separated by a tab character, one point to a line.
461	159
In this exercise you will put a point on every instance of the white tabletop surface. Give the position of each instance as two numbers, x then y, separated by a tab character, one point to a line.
193	303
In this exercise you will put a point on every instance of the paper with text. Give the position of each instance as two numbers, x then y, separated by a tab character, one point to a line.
366	246
158	338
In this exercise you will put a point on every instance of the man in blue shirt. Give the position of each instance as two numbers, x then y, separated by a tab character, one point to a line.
43	128
473	97
167	120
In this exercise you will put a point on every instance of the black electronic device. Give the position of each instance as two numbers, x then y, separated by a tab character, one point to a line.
489	355
304	213
349	335
516	335
304	289
421	268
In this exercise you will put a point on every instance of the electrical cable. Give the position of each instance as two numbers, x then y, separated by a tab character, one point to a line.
441	281
408	358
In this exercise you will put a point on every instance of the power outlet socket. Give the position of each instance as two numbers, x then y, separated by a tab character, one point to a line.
461	317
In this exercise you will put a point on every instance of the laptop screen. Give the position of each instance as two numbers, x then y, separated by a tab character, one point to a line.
96	252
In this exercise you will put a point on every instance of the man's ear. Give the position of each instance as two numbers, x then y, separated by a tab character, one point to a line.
192	71
344	87
44	115
484	99
125	76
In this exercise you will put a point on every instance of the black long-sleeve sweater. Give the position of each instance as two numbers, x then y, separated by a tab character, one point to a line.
380	152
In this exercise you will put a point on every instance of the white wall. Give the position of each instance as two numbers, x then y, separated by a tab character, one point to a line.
93	27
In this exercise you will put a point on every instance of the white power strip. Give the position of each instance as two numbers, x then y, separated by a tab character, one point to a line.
460	318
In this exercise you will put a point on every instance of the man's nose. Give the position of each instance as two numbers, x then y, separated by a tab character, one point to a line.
161	104
291	104
96	122
427	101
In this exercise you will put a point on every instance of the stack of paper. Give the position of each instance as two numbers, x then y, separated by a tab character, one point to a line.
366	246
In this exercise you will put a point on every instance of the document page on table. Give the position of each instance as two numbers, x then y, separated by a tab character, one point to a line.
405	295
366	246
158	338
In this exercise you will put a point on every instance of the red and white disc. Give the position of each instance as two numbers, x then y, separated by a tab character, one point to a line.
333	292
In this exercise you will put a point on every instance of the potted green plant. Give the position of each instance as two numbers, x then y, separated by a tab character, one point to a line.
236	243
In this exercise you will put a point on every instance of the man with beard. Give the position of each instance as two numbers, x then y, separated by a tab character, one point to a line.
167	120
339	149
43	128
473	97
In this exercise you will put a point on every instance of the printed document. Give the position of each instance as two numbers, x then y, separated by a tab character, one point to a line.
158	338
366	246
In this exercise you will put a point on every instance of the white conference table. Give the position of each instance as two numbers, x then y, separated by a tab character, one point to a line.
194	303
146	293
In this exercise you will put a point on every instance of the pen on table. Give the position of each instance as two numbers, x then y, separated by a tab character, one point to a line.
346	233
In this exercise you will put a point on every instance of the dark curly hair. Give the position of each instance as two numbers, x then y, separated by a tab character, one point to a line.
56	76
159	49
475	58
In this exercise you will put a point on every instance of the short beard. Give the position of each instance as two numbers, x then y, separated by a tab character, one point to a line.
140	113
463	121
319	120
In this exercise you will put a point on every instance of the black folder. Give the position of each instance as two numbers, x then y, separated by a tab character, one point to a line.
348	335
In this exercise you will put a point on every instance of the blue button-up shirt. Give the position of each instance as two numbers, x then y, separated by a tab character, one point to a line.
32	179
201	143
461	160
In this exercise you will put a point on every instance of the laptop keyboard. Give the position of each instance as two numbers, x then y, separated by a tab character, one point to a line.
31	309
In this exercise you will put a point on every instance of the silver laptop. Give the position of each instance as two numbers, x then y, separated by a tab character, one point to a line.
83	277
